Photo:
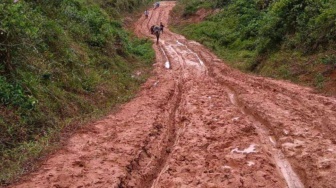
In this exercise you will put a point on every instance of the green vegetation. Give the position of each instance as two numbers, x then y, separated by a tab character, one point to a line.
62	62
250	34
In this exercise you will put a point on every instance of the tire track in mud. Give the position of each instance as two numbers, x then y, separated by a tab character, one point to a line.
200	123
145	168
292	179
180	54
283	165
264	130
270	133
282	136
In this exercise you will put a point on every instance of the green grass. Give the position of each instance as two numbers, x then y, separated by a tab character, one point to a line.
63	63
282	39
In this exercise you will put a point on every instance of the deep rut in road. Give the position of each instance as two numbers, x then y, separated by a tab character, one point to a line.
150	161
261	125
199	123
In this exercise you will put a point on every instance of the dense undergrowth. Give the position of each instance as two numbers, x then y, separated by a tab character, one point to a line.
291	39
62	62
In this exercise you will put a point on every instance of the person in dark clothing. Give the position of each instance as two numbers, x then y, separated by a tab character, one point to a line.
161	27
156	5
155	30
152	29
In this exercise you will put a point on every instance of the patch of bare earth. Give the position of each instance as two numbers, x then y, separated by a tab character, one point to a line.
199	123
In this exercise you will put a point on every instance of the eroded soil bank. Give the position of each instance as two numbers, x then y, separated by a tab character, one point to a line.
199	123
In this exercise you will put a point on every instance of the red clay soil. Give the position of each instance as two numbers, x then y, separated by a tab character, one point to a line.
199	123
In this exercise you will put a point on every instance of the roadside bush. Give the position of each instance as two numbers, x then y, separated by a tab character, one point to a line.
264	27
60	62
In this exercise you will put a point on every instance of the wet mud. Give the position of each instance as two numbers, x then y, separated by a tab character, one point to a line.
199	123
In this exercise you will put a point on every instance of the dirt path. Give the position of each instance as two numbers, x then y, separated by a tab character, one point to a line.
199	123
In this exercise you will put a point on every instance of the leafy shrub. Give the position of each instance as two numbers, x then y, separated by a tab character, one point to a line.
14	95
61	60
265	26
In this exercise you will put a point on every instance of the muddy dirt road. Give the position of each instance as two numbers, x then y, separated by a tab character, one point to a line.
199	123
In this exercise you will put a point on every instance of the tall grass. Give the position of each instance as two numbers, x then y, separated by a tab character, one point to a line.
62	62
247	34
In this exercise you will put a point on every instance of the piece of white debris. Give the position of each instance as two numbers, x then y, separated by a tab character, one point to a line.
250	163
226	167
250	149
235	119
167	65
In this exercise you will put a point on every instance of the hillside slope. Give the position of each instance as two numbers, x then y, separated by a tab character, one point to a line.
63	63
293	40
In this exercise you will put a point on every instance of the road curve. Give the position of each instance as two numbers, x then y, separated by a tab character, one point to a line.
199	123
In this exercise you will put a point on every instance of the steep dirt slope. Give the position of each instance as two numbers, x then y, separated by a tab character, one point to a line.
199	123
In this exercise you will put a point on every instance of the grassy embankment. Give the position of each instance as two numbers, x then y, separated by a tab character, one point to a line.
63	63
285	39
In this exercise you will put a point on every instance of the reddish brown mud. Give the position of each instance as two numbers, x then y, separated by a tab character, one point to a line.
199	123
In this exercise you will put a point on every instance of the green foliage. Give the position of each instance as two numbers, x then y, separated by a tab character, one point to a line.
61	60
264	27
319	80
329	60
192	6
14	95
285	39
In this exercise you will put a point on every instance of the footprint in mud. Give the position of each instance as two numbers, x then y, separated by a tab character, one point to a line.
78	164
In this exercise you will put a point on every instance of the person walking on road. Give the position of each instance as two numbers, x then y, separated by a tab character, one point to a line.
161	27
146	14
156	5
155	30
